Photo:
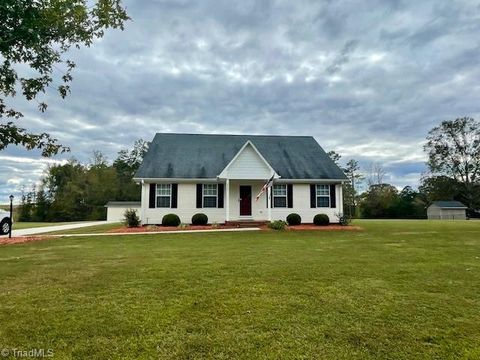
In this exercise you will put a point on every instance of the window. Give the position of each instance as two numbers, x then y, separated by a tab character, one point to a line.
323	195
280	196
164	195
210	194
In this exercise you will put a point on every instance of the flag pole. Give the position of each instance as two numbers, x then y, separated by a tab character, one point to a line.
269	203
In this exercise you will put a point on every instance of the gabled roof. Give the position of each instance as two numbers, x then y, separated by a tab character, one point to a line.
200	156
449	204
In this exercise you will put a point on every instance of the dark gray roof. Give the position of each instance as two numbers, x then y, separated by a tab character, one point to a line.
123	203
449	204
205	156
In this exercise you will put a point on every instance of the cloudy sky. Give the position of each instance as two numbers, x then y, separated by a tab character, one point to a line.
366	79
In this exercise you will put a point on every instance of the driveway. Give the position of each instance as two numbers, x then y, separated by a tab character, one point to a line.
40	230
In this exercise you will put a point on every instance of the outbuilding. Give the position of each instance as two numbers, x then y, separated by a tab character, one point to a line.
447	210
116	209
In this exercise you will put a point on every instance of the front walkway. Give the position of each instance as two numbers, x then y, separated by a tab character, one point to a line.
45	229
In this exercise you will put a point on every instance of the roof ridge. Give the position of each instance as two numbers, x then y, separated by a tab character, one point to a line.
264	135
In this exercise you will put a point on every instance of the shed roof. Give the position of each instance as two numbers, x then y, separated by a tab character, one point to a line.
449	204
201	156
122	203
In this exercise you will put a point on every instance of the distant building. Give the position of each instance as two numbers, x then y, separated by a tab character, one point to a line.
116	209
447	210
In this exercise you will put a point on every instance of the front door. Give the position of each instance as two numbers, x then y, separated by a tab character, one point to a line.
245	200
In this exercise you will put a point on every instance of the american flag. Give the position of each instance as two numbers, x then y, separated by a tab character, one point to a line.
265	187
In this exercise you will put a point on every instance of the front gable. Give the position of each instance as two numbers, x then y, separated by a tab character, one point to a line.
248	163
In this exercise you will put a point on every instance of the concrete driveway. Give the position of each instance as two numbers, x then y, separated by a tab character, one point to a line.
40	230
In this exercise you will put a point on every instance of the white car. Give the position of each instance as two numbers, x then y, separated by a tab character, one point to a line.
5	222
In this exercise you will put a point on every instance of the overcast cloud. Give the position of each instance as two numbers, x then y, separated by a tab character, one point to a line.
366	79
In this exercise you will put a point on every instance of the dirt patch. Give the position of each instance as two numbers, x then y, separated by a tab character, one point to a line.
22	239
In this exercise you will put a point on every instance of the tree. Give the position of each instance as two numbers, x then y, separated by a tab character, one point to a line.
334	156
34	36
126	165
453	150
376	174
379	201
350	190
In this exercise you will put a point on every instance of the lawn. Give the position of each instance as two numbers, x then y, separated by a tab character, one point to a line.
29	225
95	229
397	290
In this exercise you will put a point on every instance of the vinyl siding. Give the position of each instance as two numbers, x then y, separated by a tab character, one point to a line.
248	165
187	204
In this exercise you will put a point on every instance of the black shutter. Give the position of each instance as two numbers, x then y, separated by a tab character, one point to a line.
313	196
220	190
333	198
199	195
151	196
290	195
174	195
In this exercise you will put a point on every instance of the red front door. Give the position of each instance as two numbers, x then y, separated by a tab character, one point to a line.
245	200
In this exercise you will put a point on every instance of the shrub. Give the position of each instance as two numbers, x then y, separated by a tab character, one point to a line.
277	225
321	220
170	220
344	220
294	219
130	218
199	219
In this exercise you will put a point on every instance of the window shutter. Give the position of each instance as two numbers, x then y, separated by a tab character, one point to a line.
220	190
174	195
152	196
333	198
199	196
290	195
313	196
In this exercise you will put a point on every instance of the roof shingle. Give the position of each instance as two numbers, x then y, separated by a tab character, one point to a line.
205	156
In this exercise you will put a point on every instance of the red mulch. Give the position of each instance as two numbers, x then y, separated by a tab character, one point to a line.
22	239
153	228
324	228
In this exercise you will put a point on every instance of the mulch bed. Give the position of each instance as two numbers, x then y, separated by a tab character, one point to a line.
153	228
324	228
22	239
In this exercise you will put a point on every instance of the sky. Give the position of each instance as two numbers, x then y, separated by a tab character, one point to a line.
367	79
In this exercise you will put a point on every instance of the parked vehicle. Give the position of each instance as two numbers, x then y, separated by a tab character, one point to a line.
5	222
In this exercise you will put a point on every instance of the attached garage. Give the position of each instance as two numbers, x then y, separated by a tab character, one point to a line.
447	210
116	209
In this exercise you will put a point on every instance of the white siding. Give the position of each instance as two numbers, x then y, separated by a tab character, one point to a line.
248	165
186	207
187	204
115	213
434	212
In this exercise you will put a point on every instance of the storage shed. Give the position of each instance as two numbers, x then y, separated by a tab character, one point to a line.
447	210
116	209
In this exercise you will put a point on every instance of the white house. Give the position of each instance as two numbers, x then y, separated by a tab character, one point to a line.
447	210
221	175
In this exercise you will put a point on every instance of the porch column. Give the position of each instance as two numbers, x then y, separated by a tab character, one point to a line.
227	200
269	203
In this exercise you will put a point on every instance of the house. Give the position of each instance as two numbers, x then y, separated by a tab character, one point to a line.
447	210
116	209
221	175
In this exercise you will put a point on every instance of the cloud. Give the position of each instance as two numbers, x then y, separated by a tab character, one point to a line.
366	79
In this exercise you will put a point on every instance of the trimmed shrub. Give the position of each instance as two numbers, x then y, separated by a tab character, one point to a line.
170	220
294	219
199	219
277	225
130	218
321	220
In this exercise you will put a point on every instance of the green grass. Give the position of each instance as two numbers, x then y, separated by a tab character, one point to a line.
95	229
397	290
29	225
